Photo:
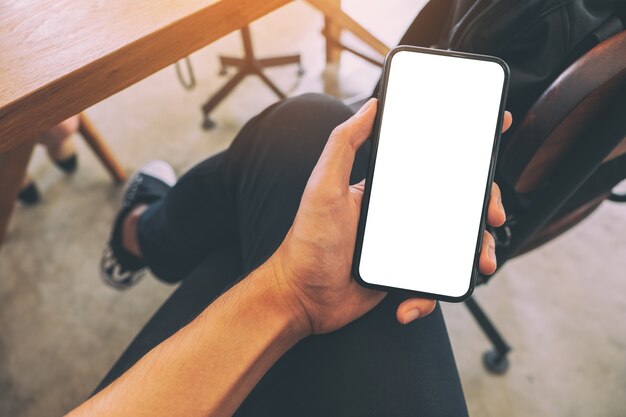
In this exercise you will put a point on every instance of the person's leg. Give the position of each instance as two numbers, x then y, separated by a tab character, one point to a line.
62	152
270	166
195	218
59	145
203	211
374	366
179	227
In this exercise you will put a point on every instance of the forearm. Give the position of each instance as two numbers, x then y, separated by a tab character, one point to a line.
209	366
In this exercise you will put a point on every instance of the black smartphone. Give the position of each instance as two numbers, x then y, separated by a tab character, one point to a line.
431	167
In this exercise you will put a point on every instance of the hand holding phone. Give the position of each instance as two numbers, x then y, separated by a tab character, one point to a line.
432	163
313	263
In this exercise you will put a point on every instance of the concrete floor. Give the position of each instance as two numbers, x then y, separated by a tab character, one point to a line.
561	307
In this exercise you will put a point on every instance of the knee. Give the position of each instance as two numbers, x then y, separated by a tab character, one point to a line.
66	127
61	131
295	130
286	139
310	114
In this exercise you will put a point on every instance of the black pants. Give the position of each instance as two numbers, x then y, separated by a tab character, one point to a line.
228	215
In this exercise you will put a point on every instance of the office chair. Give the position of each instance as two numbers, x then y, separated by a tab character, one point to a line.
561	163
248	65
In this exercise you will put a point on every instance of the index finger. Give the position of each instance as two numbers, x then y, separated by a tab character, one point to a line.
337	158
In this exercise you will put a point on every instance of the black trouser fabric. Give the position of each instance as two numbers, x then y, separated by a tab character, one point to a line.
228	215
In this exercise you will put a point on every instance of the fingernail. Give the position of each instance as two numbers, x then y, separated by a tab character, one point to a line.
411	315
492	253
366	106
501	204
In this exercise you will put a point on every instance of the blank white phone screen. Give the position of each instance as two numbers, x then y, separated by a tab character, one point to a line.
431	170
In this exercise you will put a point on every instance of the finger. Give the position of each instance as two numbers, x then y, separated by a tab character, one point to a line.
357	191
507	121
413	309
360	186
337	158
488	263
496	216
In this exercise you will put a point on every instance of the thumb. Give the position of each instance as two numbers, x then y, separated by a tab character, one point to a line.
414	308
337	158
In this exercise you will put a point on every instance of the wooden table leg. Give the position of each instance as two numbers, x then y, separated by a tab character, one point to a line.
13	166
101	149
338	17
333	52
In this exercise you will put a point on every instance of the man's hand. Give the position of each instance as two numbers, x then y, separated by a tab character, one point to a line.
313	264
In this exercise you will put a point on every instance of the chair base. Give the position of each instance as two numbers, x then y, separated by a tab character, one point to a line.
494	360
248	65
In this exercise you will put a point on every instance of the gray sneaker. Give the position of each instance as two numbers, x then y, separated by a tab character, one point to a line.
119	268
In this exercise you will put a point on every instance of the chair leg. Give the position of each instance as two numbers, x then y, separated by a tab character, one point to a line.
228	61
271	85
101	149
218	97
249	64
279	61
494	360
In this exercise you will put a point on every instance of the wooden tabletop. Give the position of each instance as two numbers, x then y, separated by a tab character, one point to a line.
74	53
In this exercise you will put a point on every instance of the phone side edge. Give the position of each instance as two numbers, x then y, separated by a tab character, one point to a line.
491	174
360	234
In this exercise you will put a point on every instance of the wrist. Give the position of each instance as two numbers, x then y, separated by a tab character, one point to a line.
284	297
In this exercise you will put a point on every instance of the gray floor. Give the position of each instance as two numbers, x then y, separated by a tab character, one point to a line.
562	307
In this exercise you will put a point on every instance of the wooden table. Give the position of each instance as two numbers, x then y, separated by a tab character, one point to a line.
59	57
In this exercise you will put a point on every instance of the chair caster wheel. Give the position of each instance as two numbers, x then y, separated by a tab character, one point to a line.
208	124
300	72
495	362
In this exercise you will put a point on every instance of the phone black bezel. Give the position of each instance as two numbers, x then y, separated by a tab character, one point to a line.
372	159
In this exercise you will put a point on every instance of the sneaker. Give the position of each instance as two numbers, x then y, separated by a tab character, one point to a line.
118	267
67	165
29	194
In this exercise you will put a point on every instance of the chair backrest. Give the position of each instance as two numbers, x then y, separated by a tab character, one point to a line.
564	114
560	124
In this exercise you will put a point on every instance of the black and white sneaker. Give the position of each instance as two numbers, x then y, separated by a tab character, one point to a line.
119	268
